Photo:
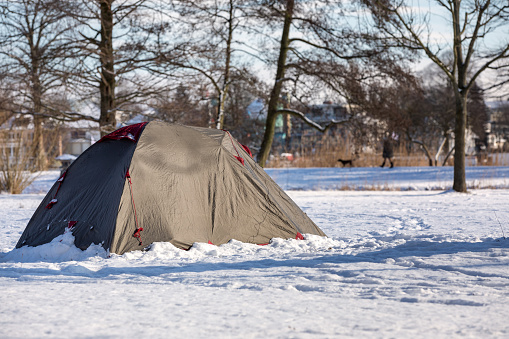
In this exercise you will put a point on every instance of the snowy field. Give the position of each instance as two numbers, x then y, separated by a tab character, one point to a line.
414	260
398	178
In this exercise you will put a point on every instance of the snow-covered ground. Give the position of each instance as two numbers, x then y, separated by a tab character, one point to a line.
405	262
398	178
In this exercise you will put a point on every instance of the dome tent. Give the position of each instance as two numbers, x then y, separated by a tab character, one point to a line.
161	182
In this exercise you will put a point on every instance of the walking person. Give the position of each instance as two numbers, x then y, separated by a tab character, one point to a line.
388	151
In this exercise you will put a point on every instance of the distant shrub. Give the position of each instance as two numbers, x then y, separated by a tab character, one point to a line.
16	169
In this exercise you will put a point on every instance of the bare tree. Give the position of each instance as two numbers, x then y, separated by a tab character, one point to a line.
16	166
211	36
245	89
182	105
114	36
33	55
471	23
478	112
316	43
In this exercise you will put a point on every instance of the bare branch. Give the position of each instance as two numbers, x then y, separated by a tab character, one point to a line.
311	123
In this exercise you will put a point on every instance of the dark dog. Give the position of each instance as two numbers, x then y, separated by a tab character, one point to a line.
346	162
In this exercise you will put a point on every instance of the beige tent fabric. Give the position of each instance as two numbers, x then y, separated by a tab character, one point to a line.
188	187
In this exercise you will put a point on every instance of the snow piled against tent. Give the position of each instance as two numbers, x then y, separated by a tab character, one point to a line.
61	249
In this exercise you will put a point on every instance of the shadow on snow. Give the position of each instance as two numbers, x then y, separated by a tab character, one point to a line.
411	251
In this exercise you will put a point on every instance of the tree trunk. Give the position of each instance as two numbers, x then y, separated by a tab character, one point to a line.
288	130
272	110
461	93
107	120
440	148
38	151
226	80
459	184
220	111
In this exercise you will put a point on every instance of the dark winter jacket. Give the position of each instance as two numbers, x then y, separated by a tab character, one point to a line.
388	151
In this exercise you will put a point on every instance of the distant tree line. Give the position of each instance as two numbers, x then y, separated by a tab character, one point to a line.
203	62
